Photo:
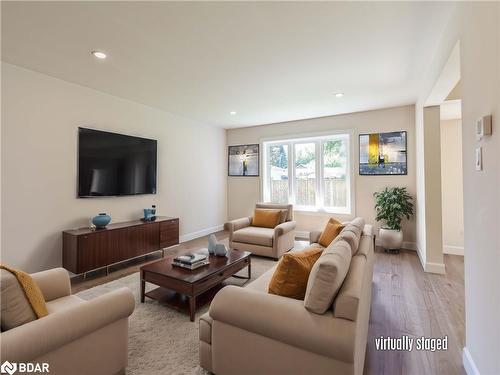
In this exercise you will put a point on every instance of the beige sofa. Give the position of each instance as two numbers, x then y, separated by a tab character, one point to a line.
248	331
77	337
263	241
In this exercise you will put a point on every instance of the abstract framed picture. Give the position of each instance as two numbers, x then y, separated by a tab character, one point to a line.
383	154
243	160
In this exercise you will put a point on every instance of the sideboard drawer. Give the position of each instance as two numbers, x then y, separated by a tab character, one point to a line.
169	233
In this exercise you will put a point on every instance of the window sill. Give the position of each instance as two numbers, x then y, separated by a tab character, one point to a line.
314	210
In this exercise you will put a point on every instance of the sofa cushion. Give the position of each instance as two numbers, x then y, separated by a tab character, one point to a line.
15	307
352	233
266	218
347	302
351	238
332	230
254	235
290	277
326	277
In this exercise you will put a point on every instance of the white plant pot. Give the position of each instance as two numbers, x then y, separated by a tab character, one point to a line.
391	239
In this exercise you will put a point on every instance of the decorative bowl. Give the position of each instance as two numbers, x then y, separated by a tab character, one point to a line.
101	220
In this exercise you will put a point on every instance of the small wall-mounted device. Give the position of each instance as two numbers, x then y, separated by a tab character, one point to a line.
483	127
479	159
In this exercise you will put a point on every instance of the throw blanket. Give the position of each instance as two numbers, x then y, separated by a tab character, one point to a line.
31	290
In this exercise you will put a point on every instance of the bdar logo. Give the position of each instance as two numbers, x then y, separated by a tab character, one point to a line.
8	368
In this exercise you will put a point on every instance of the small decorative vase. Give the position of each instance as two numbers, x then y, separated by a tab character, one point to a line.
220	250
100	221
212	243
391	239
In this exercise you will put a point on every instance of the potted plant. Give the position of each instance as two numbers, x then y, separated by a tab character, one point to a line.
392	205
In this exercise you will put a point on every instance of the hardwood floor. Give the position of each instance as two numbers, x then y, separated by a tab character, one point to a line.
405	301
408	301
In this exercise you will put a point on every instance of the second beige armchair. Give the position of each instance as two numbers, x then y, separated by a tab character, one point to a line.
270	242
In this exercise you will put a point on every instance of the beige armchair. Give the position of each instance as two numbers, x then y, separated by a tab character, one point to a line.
77	336
263	241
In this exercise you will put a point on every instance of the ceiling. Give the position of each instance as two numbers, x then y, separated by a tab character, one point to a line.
268	61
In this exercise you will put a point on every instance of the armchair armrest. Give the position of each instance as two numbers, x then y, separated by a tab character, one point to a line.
285	320
283	228
53	283
33	339
234	225
314	236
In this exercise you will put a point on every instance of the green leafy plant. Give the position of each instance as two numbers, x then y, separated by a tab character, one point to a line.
392	205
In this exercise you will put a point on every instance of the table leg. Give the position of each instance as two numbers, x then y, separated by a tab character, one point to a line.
249	267
192	307
143	286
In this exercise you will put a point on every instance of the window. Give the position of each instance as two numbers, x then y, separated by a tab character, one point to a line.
312	173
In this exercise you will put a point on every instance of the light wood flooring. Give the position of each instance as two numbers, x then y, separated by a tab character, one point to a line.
405	301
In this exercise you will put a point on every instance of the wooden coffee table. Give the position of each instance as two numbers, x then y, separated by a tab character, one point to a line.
187	290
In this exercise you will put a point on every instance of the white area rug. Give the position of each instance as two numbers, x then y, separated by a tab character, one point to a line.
162	340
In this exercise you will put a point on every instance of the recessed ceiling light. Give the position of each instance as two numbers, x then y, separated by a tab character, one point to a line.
339	95
99	54
232	113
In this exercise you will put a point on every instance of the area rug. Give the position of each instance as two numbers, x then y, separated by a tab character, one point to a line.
162	340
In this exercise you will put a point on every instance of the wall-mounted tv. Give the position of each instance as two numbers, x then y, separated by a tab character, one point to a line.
111	164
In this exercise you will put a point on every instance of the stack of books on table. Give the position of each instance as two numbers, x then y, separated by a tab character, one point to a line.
191	261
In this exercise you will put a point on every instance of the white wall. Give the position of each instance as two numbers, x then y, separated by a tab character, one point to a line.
244	192
452	195
476	25
40	117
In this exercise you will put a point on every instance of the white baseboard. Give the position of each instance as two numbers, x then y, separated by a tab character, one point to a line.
301	235
200	233
468	362
438	268
453	250
431	267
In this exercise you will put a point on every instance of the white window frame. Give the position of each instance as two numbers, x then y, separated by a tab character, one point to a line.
319	139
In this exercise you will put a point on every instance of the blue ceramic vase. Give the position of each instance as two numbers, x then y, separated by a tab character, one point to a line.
100	221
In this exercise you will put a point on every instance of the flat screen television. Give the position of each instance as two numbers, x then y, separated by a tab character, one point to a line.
111	164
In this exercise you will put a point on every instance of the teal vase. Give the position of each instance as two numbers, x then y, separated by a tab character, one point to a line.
100	221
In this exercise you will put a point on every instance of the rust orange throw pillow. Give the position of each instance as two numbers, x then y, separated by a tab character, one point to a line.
332	230
291	274
266	218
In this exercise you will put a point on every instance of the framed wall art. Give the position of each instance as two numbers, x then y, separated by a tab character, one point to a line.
383	153
243	160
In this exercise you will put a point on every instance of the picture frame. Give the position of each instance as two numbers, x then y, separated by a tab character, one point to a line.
383	154
243	160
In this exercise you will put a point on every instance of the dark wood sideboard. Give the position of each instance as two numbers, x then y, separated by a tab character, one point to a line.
85	250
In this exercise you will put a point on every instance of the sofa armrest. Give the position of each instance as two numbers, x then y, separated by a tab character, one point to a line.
368	230
53	283
34	339
314	236
285	320
283	228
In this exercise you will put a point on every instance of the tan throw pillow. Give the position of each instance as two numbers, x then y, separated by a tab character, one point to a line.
266	218
291	274
332	230
327	276
15	308
283	215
